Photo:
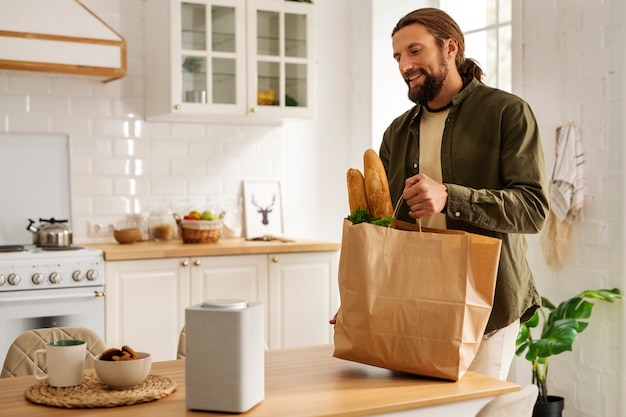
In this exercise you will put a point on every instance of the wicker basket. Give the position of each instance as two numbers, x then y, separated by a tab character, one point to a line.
199	231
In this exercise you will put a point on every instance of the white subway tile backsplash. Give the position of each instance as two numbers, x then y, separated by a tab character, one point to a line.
104	206
29	83
112	89
108	127
188	167
188	130
80	166
255	168
141	148
169	186
92	186
153	167
73	87
136	186
205	186
171	148
14	103
92	107
113	167
28	122
49	105
223	167
203	148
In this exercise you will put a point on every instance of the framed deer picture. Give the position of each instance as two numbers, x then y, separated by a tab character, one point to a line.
262	208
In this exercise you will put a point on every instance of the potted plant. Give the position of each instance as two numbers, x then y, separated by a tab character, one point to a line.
559	328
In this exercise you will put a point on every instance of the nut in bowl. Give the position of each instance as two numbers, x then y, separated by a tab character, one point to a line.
122	373
125	236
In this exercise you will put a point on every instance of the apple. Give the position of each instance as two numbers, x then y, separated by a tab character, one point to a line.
207	215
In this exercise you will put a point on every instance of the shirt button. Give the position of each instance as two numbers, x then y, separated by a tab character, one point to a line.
415	166
457	214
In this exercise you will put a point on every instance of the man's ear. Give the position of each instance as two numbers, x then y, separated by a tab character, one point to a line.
451	47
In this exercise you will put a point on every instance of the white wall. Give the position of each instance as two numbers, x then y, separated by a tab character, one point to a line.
572	71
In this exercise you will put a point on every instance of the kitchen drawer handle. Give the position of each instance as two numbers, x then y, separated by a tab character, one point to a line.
197	262
275	259
184	263
54	297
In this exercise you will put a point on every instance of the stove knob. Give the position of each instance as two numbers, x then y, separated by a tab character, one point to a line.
2	280
13	279
92	275
37	278
55	277
77	275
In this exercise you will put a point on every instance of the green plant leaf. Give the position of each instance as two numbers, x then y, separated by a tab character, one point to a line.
560	326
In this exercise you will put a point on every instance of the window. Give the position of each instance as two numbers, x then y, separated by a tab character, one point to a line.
487	27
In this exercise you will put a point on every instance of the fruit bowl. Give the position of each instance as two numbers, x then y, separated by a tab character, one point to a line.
125	236
123	374
199	231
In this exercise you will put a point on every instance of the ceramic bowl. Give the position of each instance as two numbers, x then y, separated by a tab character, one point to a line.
124	236
124	374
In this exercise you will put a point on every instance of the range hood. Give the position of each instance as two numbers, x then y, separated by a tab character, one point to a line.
59	36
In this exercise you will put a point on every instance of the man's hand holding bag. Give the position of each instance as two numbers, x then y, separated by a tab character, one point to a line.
413	300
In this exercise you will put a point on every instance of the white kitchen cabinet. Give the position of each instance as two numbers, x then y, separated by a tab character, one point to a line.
146	299
303	295
230	277
229	59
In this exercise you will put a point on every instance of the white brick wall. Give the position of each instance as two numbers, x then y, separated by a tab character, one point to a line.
572	70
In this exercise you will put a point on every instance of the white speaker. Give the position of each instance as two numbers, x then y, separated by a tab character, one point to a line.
225	356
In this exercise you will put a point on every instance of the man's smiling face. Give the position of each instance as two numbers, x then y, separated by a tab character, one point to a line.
421	61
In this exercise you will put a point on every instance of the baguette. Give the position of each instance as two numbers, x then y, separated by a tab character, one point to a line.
356	190
376	186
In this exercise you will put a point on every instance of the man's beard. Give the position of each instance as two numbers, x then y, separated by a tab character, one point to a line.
433	83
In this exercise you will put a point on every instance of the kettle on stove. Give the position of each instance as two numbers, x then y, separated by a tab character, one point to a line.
51	233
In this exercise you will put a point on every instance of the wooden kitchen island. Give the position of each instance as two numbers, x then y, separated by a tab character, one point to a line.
300	382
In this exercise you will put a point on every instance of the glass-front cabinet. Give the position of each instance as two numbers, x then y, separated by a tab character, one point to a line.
280	61
210	59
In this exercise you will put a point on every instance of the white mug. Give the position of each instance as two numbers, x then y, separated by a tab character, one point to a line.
65	360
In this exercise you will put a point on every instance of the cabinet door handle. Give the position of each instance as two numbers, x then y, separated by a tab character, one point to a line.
197	262
184	263
275	259
177	107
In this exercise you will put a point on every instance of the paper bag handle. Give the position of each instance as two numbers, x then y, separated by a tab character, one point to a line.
396	209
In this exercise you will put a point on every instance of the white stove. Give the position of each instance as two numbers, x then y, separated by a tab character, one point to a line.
34	268
50	288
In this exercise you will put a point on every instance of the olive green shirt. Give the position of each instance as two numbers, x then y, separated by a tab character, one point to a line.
492	163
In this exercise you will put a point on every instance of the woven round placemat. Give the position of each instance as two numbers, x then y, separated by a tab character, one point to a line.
92	393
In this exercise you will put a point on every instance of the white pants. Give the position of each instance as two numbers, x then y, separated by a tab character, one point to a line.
496	352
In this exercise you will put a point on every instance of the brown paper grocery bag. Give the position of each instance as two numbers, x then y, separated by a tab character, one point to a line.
414	301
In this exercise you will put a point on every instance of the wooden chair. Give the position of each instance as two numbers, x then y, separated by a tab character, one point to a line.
20	356
513	404
180	354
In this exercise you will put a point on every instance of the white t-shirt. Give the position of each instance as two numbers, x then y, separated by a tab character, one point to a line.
431	132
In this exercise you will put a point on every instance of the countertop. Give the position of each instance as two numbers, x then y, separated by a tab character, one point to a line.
237	246
300	382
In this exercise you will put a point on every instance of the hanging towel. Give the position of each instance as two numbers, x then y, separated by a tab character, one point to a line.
567	195
567	190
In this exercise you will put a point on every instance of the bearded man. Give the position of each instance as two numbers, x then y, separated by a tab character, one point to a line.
468	157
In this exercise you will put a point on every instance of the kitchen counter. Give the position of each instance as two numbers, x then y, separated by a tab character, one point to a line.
301	382
239	246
